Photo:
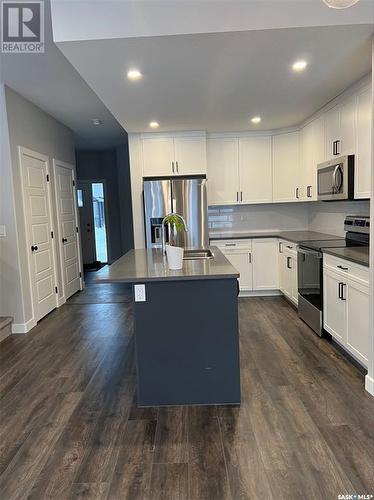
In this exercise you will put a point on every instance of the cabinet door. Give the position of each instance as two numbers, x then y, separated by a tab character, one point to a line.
255	170
285	283
358	338
293	279
286	167
334	308
346	146
242	263
265	264
158	156
332	131
312	153
363	149
223	173
190	155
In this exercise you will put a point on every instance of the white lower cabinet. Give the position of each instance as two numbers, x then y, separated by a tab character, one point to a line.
287	261
241	260
346	306
265	264
334	307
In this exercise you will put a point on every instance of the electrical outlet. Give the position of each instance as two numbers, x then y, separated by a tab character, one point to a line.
139	292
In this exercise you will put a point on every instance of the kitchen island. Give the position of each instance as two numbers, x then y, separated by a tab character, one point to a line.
185	327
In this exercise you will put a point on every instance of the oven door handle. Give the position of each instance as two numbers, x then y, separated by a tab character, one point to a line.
307	251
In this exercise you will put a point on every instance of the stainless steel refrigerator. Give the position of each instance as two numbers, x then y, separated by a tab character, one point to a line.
183	195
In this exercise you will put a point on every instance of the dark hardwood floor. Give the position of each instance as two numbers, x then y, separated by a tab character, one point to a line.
70	427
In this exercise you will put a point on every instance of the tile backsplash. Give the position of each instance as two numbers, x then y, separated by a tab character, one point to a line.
316	216
257	218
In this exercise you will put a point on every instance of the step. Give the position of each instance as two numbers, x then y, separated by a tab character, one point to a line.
5	327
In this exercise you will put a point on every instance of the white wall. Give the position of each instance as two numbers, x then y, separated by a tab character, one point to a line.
32	128
328	217
258	218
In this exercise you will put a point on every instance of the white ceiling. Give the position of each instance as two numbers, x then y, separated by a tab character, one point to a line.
103	19
49	81
217	81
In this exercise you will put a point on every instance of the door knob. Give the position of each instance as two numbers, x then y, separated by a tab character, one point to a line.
33	248
64	240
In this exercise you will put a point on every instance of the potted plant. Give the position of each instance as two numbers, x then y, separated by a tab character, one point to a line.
174	253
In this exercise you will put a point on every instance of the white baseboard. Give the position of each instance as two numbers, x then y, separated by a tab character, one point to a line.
61	301
369	384
259	293
23	327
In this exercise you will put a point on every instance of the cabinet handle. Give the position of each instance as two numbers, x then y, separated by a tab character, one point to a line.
241	195
172	166
230	244
337	148
343	268
289	246
288	263
250	258
343	297
280	247
333	151
177	167
297	193
237	196
340	290
64	240
34	248
309	191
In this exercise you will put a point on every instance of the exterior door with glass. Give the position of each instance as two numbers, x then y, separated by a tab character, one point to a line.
92	214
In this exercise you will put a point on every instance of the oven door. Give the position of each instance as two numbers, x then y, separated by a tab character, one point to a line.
309	276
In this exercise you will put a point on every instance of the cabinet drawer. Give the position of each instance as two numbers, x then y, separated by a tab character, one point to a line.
287	247
232	245
346	268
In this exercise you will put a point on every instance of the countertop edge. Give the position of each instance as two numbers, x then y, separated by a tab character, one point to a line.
330	251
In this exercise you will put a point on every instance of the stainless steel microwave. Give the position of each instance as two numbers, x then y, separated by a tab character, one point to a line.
335	179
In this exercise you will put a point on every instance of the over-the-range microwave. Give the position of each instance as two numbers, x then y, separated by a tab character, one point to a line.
335	179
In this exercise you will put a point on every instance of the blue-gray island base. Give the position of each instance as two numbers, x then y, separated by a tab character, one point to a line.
186	332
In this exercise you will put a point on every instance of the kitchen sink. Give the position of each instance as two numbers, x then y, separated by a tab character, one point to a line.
201	254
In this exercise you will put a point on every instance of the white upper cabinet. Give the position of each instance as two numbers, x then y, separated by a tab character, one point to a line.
312	153
346	146
222	171
332	131
178	155
158	156
363	144
190	155
286	174
255	170
340	129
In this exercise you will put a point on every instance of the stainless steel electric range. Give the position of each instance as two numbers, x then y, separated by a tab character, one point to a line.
310	268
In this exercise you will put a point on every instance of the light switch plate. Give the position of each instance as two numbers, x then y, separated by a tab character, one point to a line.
139	292
2	231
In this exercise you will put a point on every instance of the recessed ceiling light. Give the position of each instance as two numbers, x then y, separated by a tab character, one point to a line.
340	4
256	119
97	121
154	124
134	75
299	65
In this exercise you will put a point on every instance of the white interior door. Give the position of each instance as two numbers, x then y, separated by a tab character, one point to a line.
68	227
37	207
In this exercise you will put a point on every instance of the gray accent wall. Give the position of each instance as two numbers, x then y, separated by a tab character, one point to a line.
32	128
112	166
